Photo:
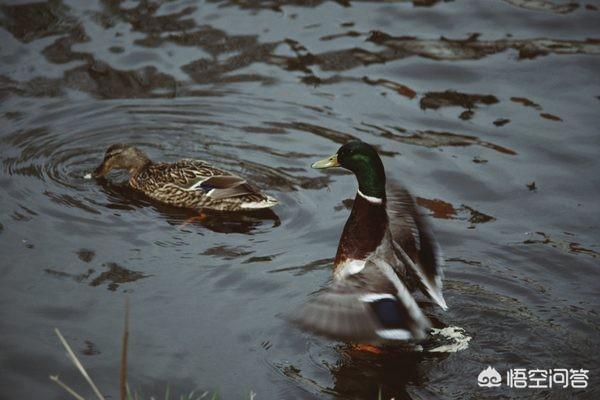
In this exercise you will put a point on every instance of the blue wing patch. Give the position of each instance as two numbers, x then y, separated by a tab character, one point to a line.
390	313
207	187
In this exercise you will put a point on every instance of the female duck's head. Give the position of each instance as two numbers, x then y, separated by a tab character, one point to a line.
121	156
362	159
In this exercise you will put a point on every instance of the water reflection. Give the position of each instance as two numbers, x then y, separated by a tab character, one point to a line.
345	372
228	55
355	378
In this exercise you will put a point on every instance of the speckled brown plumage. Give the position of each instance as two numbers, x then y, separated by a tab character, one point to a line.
187	183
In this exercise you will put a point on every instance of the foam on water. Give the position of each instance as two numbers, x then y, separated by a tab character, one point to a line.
456	337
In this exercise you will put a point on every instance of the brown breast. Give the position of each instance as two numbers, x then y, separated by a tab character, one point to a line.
363	232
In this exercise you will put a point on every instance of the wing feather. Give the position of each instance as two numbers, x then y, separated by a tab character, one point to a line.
196	175
415	245
370	306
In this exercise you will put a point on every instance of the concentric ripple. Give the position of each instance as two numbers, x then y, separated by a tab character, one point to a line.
63	142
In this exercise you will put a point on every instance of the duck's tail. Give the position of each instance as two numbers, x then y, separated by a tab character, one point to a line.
265	201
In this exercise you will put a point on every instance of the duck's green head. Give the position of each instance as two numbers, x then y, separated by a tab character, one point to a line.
121	156
362	159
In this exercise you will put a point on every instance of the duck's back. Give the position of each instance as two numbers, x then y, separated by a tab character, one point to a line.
181	173
196	184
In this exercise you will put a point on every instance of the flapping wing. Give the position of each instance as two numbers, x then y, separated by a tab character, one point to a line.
415	244
370	306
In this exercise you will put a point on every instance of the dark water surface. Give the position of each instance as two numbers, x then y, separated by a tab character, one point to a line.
507	163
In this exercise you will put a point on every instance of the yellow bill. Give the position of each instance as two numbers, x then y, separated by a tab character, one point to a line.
328	162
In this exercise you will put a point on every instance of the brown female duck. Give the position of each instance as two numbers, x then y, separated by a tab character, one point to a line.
188	183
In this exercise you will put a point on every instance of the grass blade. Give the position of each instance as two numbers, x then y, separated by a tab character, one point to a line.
78	364
123	372
55	379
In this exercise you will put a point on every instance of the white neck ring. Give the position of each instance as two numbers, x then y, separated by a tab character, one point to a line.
370	199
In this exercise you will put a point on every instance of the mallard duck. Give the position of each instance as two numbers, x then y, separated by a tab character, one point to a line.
386	249
188	183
